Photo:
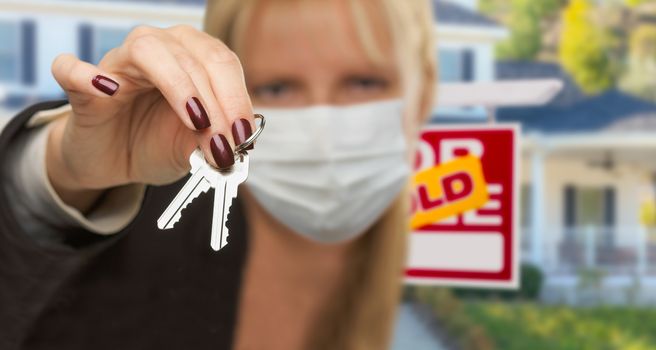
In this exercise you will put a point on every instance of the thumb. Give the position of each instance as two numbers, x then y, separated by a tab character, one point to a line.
82	81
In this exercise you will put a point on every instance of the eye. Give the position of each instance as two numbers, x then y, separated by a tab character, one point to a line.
366	83
275	90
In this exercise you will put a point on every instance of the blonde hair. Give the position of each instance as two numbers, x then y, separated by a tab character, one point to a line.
362	315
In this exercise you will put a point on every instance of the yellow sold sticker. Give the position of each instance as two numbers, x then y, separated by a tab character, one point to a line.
448	189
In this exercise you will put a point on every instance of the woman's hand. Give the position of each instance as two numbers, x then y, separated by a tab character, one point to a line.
139	114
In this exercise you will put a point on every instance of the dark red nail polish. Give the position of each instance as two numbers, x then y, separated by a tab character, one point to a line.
105	84
241	130
197	114
221	151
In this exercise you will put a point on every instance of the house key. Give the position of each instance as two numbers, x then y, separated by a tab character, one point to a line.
224	182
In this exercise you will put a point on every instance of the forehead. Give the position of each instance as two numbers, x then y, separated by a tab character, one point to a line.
299	35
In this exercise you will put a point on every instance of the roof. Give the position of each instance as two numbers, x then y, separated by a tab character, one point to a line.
611	111
447	12
514	70
571	110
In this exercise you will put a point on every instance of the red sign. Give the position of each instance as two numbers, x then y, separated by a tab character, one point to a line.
465	207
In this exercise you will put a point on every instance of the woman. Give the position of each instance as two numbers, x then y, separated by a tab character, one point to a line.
316	237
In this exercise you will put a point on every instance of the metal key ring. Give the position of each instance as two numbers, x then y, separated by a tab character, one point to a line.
241	148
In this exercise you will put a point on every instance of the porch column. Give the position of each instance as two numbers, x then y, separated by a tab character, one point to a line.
537	206
642	242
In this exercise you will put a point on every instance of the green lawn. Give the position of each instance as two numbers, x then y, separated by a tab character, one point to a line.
522	326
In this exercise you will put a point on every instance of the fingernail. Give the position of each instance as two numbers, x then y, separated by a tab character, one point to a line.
221	151
241	130
105	84
197	114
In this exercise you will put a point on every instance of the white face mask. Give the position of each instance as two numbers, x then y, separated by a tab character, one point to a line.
329	172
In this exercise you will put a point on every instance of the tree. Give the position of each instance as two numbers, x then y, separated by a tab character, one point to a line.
525	23
643	43
634	2
641	71
585	48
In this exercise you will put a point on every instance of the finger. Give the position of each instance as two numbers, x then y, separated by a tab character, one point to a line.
218	149
226	78
81	80
155	64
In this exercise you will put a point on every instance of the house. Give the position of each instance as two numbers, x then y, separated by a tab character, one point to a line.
588	167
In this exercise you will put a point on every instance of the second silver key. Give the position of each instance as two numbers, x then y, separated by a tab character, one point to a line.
225	190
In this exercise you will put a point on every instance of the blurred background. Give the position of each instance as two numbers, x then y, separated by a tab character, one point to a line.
588	204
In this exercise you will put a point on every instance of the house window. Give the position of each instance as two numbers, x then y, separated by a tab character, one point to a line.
95	42
589	206
17	52
456	65
107	39
9	52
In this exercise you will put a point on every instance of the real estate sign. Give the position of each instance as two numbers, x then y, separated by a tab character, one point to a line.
465	205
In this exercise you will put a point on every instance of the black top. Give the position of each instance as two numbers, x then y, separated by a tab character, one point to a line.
139	289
